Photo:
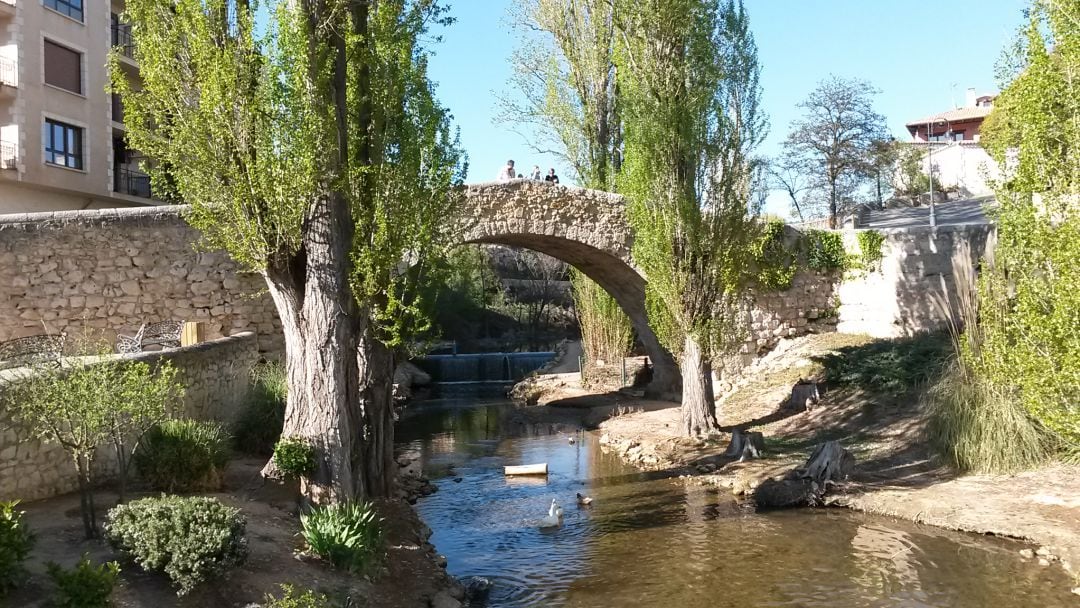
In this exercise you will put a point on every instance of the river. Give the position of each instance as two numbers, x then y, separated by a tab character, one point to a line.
650	540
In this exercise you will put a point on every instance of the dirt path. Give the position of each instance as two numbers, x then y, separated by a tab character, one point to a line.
881	424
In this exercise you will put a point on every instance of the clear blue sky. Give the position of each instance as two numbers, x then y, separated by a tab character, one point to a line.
922	54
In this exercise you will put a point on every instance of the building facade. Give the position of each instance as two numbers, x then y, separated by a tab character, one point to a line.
62	140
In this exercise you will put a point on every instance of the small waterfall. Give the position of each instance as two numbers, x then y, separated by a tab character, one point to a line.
482	367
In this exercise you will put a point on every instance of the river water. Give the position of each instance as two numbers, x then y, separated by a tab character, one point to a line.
653	541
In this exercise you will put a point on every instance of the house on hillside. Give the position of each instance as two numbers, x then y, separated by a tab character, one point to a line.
951	140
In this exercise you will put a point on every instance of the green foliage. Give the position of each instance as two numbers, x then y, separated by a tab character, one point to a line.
979	428
183	455
606	332
888	367
1030	299
870	243
294	599
84	586
776	261
190	539
349	534
825	250
294	456
259	426
911	179
16	541
86	403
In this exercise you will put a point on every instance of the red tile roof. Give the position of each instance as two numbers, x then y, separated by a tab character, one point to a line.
958	115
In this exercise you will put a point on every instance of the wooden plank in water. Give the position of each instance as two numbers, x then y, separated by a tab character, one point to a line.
527	469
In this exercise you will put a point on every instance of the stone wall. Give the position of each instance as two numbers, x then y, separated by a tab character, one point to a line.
898	299
216	375
112	270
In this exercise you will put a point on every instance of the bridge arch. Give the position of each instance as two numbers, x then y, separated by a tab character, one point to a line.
587	229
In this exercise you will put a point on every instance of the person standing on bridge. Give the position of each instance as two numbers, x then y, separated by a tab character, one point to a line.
551	177
535	173
507	173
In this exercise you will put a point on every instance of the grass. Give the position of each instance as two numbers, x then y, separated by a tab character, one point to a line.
259	427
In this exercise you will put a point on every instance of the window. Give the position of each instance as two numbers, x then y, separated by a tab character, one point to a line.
71	8
63	144
63	67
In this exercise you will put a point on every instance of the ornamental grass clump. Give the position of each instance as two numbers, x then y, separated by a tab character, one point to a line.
85	585
183	455
16	541
260	424
349	535
190	539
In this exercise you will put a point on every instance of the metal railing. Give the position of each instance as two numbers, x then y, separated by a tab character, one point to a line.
9	72
9	154
131	182
121	39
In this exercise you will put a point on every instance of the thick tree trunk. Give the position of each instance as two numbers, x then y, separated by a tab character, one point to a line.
698	401
336	373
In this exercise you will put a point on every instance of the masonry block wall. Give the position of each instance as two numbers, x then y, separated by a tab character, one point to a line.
216	375
112	270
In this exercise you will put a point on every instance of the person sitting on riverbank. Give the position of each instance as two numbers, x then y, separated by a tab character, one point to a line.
551	177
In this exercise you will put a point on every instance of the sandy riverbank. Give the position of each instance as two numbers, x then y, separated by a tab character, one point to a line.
872	414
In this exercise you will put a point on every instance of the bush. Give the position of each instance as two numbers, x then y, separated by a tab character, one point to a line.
84	586
294	456
348	534
776	262
16	541
825	250
190	539
295	599
259	427
870	242
979	428
183	455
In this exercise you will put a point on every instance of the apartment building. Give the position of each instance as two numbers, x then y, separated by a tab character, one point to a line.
62	143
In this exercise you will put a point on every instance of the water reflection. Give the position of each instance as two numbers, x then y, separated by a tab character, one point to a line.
652	541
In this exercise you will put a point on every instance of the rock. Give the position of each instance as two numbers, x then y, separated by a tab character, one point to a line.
443	599
1027	553
1043	552
477	589
1043	561
1076	590
440	561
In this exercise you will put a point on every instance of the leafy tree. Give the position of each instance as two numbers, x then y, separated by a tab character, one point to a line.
89	403
566	80
314	152
1030	299
834	141
689	79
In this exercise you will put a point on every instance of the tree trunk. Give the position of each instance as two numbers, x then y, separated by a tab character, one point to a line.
86	496
745	445
698	401
339	382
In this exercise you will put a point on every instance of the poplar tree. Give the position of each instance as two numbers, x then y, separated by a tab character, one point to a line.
315	153
689	82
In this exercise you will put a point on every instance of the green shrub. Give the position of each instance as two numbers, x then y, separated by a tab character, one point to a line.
348	534
776	262
294	456
16	541
295	599
825	250
183	455
870	243
890	367
259	427
980	428
84	586
190	539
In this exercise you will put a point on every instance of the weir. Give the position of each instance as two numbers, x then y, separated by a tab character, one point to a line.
479	368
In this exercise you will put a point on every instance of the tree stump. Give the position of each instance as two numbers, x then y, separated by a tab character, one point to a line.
745	445
804	395
828	464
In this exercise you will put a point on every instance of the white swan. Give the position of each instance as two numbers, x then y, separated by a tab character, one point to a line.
554	516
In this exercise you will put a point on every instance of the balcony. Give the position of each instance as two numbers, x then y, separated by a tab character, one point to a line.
9	72
131	182
9	155
7	9
121	39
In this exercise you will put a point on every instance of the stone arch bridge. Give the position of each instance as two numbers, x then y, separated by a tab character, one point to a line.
587	229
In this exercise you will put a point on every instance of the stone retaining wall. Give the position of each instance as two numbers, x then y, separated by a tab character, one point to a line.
112	270
216	375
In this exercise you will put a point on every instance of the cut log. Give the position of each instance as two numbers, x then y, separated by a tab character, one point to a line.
745	446
804	395
527	469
